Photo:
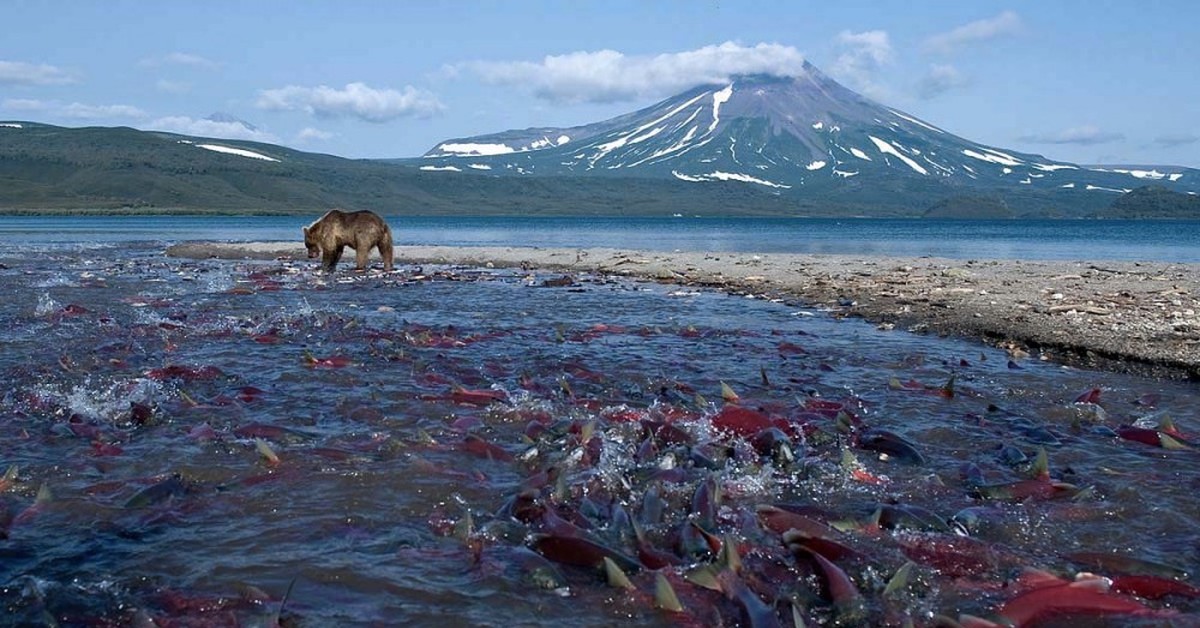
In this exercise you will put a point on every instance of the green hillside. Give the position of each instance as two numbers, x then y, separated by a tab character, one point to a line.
46	168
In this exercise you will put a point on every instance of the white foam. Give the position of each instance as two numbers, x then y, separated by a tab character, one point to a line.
1068	185
241	152
476	149
858	153
818	125
843	174
816	165
888	149
441	169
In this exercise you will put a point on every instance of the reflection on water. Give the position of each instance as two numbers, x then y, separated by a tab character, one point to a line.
451	446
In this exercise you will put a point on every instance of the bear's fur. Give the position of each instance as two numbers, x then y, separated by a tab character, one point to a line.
361	231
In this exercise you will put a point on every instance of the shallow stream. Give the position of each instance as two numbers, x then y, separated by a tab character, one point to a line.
450	446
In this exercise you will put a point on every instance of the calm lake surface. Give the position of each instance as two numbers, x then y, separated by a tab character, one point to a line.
457	446
1177	241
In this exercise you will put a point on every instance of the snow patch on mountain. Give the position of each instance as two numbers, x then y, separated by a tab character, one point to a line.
915	121
993	157
1139	174
727	176
241	152
476	149
1054	167
546	142
889	149
719	98
10	125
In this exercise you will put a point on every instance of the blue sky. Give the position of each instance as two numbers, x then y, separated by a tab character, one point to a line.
1088	82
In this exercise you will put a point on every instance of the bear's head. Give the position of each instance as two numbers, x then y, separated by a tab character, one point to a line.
311	243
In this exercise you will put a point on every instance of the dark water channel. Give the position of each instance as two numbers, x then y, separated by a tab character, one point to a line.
453	446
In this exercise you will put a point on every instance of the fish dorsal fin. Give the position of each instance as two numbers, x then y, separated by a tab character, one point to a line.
1040	470
664	594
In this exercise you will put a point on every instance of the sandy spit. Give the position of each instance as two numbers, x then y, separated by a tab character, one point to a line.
1137	317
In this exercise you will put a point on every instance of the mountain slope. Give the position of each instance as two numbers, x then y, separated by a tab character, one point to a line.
806	137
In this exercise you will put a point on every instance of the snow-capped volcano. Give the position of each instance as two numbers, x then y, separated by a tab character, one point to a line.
797	134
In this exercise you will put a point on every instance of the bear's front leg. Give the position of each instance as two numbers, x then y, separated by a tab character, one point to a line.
360	257
331	257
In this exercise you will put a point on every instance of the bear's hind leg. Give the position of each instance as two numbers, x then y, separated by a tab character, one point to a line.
361	254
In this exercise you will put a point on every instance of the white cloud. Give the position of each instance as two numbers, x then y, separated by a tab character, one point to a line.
606	76
230	130
173	87
96	112
1176	139
24	104
76	110
179	58
18	73
939	80
1086	135
862	56
309	134
356	100
1002	25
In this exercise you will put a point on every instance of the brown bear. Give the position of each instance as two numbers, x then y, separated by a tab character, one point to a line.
359	230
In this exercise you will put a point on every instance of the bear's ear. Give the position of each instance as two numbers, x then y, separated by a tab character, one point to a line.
305	230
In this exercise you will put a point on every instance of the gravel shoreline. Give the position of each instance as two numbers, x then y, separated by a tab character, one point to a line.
1139	317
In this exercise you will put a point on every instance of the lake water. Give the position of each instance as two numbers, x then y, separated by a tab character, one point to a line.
190	439
1177	241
